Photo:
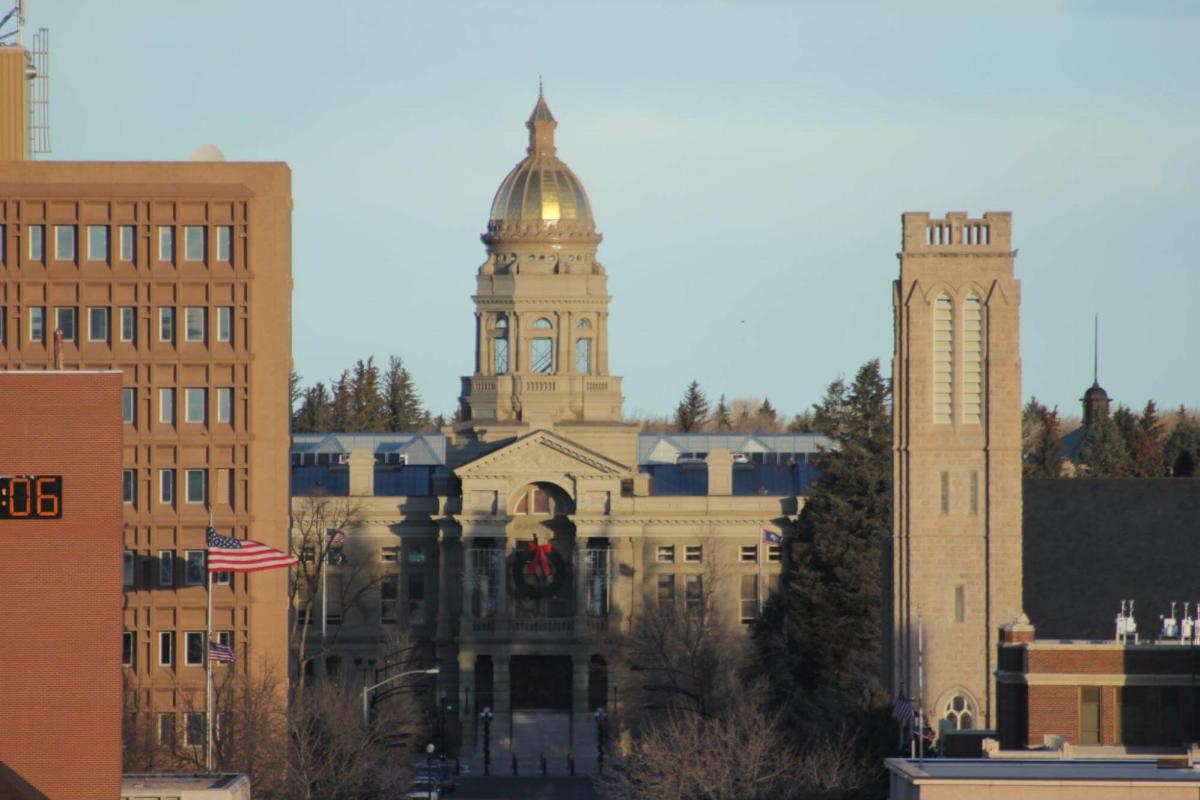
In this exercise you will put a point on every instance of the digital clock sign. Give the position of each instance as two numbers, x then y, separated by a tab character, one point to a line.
31	497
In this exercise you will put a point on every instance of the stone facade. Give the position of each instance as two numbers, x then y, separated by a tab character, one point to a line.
956	547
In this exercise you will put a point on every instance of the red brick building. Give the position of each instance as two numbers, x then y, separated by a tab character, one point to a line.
1097	693
60	584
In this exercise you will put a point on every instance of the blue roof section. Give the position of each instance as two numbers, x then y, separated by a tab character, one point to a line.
666	448
419	449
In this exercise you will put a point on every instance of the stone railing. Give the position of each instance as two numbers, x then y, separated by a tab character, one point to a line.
543	625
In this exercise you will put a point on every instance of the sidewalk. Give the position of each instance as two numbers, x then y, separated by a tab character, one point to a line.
524	788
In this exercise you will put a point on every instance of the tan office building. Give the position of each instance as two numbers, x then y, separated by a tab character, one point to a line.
177	275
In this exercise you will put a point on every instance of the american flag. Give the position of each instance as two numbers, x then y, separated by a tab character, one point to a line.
903	710
336	536
221	653
227	554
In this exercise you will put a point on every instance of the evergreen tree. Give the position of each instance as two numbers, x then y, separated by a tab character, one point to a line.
403	402
1032	417
768	418
1044	459
692	411
368	410
1146	454
819	641
294	392
341	411
1182	450
1103	450
804	422
316	411
721	416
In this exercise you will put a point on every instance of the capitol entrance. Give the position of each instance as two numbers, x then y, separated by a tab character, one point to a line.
541	682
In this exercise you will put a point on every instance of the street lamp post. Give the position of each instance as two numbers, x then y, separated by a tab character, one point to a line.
429	767
600	718
486	715
368	689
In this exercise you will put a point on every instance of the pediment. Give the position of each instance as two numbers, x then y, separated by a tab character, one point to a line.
541	453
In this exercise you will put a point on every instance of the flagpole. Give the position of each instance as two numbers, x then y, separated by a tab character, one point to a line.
208	687
921	691
323	551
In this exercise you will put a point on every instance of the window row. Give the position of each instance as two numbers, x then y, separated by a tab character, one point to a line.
541	348
694	553
167	566
108	244
195	489
194	731
100	324
416	601
972	493
195	405
193	648
694	599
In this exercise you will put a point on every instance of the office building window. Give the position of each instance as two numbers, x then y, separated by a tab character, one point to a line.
166	325
389	554
960	603
166	486
166	731
129	405
37	242
37	324
166	568
128	324
64	242
128	248
129	486
225	405
166	406
193	648
166	243
197	486
166	648
666	591
193	567
97	243
389	593
222	578
693	597
748	553
97	324
128	648
974	493
749	598
64	320
693	554
665	554
193	243
193	323
945	493
194	404
1089	715
127	568
224	243
225	324
193	732
775	552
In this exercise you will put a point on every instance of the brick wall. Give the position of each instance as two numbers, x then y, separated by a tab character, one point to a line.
60	587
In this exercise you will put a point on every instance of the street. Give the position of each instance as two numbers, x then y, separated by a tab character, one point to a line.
525	788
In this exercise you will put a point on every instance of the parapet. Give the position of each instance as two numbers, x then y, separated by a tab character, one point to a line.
957	232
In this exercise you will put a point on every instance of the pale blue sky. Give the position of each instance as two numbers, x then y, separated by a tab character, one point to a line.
747	163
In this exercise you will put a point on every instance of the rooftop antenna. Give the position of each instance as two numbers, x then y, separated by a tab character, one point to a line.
39	94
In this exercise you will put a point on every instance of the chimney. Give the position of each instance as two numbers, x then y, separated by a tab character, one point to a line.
16	70
1019	631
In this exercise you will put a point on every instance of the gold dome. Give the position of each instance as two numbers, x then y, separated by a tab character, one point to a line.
541	189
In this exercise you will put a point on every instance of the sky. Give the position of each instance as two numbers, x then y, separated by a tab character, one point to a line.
747	163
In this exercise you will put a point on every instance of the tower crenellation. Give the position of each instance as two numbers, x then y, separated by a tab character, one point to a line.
957	232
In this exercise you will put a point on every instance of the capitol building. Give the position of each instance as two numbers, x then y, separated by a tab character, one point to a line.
519	545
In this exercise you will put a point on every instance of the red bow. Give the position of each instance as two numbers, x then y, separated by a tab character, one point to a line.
539	558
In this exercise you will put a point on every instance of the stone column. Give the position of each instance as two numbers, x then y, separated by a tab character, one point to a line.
579	686
483	364
516	361
502	697
581	611
443	604
502	611
601	354
468	588
467	711
362	473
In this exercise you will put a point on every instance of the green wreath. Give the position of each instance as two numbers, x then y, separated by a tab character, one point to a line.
548	587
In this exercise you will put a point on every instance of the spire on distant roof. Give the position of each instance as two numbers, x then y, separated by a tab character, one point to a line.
1095	399
541	125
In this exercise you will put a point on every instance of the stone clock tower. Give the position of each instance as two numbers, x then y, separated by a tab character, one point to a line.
541	302
957	462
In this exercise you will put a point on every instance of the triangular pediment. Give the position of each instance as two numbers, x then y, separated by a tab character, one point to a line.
542	452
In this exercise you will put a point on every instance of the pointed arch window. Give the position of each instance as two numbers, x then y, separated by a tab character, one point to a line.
500	346
959	713
972	364
943	347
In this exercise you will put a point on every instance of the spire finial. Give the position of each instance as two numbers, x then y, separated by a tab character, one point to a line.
1096	350
539	87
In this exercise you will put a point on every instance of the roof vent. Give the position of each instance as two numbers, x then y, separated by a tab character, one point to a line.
207	152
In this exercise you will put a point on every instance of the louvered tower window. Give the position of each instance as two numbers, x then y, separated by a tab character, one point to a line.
972	372
943	335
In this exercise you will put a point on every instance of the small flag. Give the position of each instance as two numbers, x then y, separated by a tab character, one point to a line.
903	710
221	653
336	537
227	554
772	537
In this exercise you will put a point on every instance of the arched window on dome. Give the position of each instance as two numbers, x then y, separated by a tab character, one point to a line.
959	713
500	346
943	348
584	324
542	324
